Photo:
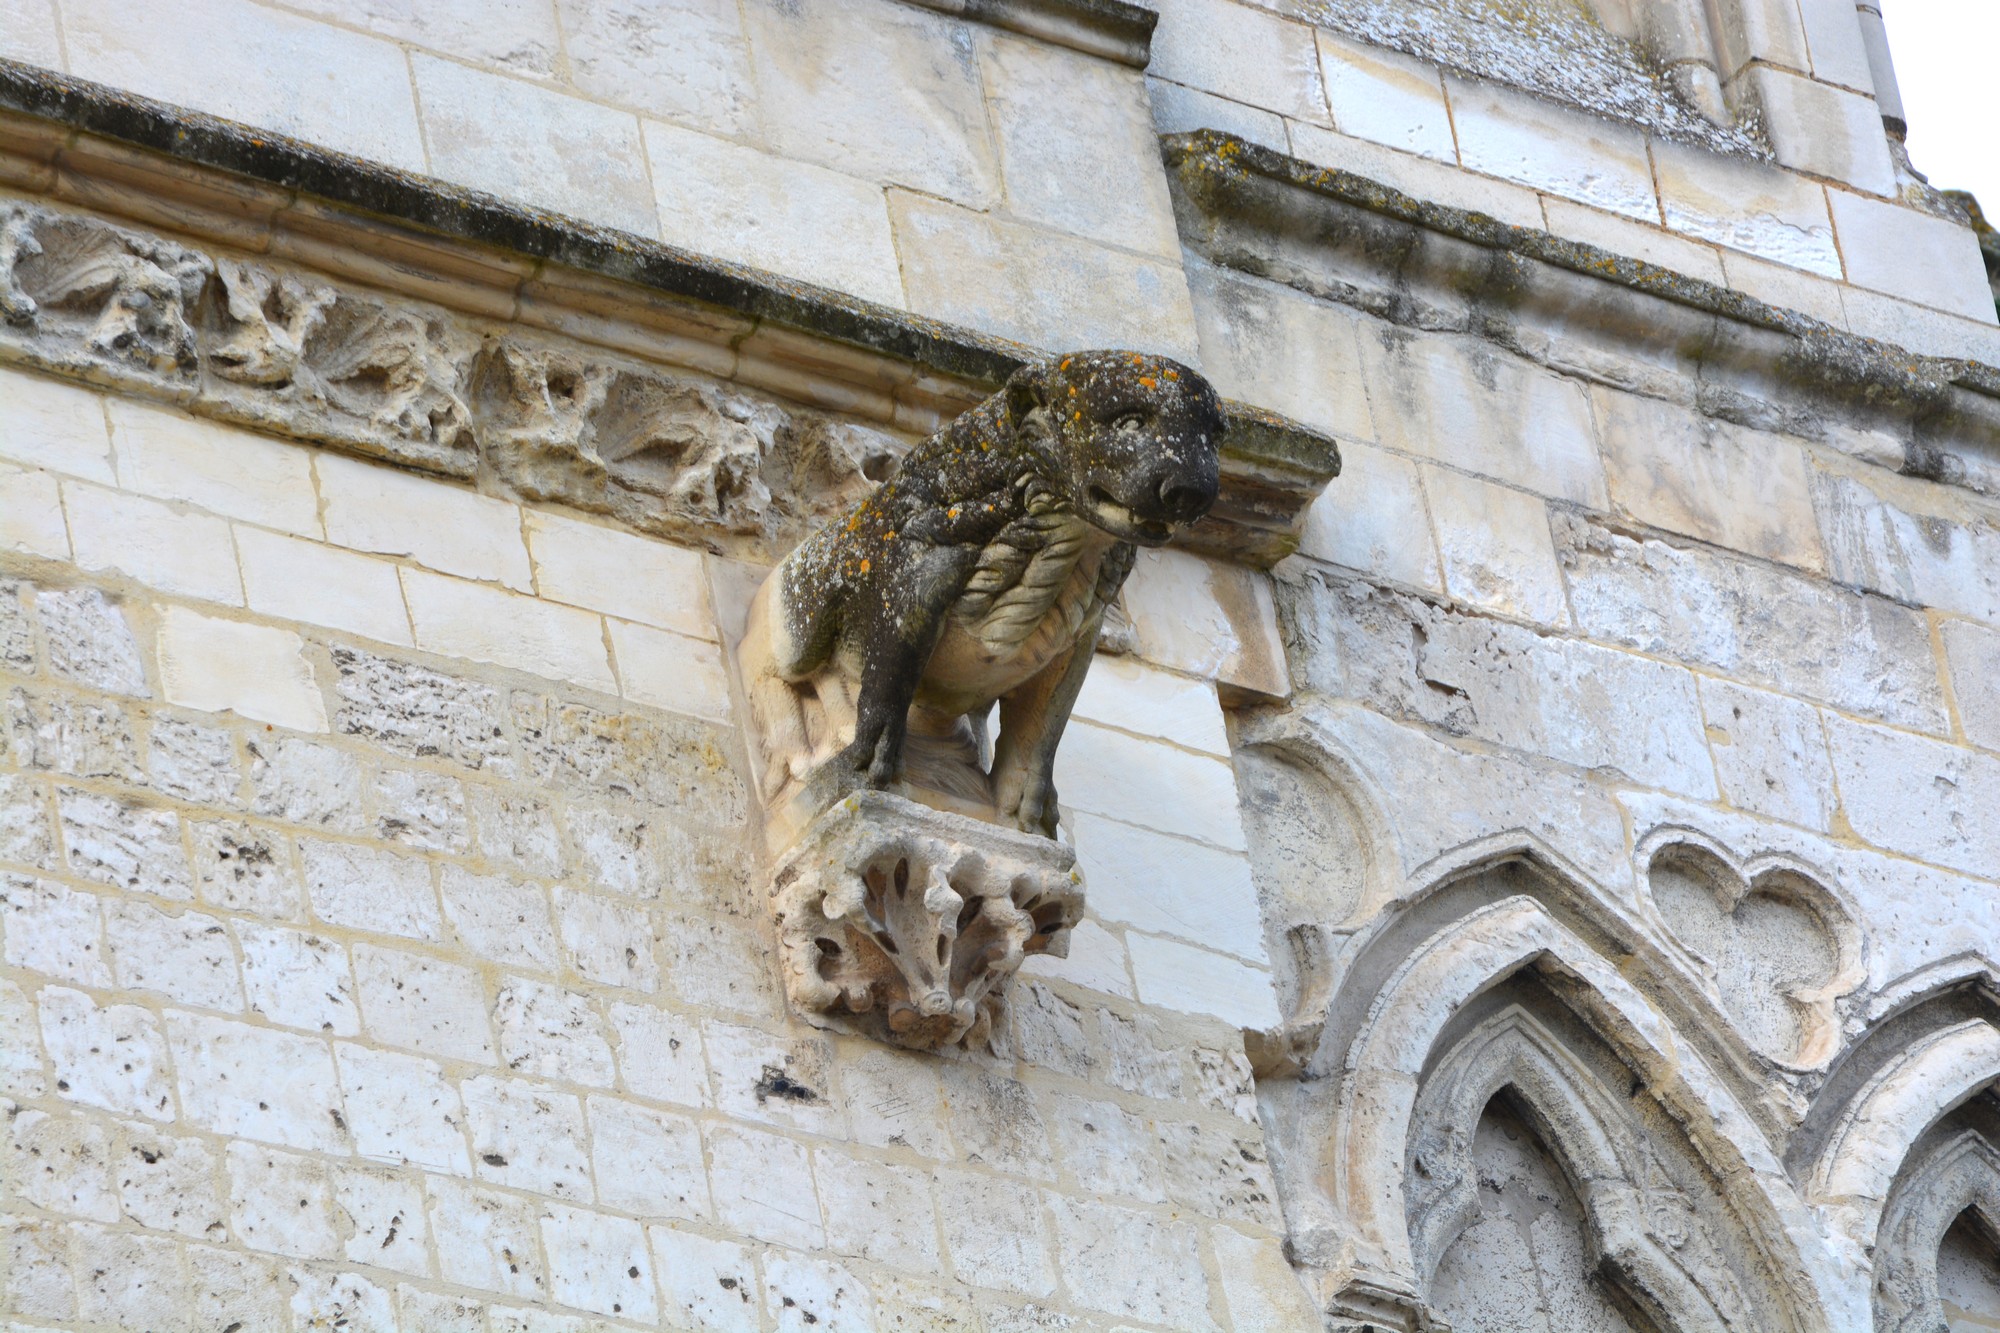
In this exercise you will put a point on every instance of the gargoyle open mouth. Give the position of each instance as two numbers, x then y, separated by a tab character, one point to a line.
1120	521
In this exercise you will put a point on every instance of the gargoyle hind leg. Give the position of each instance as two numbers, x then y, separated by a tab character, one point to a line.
1032	719
901	631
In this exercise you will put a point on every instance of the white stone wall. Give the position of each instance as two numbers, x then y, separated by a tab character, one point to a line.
879	149
382	932
382	940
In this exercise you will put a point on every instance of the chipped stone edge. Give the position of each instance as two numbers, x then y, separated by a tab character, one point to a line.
1950	407
1110	29
199	175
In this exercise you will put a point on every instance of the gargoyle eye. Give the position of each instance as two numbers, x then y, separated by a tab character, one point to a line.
1129	421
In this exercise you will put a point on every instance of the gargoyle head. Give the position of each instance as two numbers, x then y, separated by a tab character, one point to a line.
1129	439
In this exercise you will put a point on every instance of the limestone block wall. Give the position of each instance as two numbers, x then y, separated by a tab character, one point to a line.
383	941
1451	101
892	152
1564	892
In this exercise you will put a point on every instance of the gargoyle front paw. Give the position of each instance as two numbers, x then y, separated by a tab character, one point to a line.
1030	806
877	758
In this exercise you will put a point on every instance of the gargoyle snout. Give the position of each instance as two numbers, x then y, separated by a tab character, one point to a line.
1184	501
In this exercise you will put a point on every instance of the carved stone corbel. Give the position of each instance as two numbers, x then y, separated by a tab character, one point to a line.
905	922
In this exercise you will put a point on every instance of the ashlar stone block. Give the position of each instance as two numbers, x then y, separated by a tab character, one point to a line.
47	423
763	1187
1038	287
61	1163
1125	1262
550	1032
54	930
598	1262
257	671
685	60
1825	130
1972	653
1672	467
124	844
534	145
1924	798
1495	545
1770	753
1386	97
485	1239
816	1295
90	641
648	1162
1915	541
31	516
298	980
423	1003
383	1216
995	1233
187	958
1243	53
722	198
224	1073
281	1203
318	584
823	95
186	553
369	889
1463	403
1077	149
1265	343
172	456
324	84
878	1212
528	1136
1762	210
1914	255
1521	138
401	1109
1759	625
709	1284
167	1182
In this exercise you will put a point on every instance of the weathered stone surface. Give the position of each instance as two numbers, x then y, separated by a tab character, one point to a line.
1909	541
90	642
929	915
124	844
1760	625
1671	467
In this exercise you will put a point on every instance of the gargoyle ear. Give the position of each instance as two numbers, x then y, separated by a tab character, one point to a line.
1027	389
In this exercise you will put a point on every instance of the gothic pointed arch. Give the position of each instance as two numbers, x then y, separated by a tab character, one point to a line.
1901	1151
1368	1126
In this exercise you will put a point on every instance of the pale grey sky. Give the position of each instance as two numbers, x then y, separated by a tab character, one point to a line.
1947	55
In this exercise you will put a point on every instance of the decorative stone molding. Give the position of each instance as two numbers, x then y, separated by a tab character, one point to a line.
1324	231
475	264
1774	947
1110	29
282	349
1949	1173
906	923
1645	1231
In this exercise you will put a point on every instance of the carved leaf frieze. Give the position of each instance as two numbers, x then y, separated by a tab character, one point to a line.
292	352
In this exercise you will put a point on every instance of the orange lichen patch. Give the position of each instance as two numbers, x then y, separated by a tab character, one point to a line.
864	566
951	512
1149	381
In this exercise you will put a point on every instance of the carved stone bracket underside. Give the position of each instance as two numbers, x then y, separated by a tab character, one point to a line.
905	923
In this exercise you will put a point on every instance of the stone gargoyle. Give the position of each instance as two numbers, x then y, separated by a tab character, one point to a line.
979	574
